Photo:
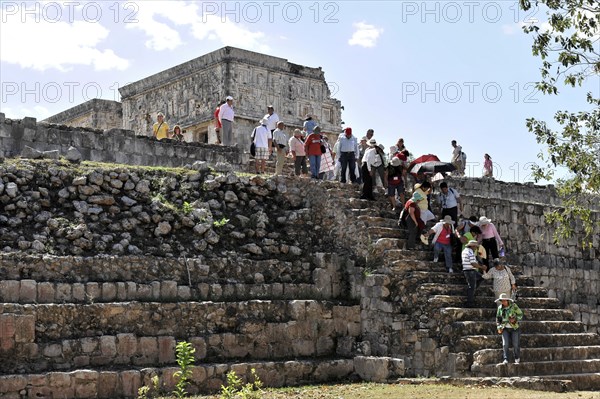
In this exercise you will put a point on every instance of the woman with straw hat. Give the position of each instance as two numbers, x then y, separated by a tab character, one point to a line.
508	316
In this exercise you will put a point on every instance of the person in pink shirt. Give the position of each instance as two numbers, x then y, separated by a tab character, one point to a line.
490	239
488	166
296	146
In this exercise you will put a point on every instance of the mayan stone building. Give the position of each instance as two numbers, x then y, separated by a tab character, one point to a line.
188	94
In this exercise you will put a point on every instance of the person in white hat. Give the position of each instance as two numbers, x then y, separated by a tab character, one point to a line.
226	116
371	161
262	138
395	176
508	316
471	269
442	240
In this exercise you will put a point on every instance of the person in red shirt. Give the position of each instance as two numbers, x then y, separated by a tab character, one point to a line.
442	240
412	217
218	125
312	146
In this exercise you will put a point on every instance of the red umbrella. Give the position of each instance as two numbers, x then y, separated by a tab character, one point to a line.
423	158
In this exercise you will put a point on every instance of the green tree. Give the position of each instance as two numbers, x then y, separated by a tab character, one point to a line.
568	44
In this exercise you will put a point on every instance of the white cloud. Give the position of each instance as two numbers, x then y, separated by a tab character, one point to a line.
208	27
365	35
37	112
43	45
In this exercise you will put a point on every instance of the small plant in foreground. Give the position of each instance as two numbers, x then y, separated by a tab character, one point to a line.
149	391
185	359
236	390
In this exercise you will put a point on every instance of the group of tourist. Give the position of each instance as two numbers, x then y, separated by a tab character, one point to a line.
475	241
480	247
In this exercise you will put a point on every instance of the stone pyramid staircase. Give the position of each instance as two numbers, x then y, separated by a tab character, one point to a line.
89	327
555	349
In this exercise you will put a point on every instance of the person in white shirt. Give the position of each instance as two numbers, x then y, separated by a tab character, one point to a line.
371	161
272	119
263	140
226	115
280	138
450	202
471	269
457	159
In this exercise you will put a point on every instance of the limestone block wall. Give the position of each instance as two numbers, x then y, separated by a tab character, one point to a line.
95	113
115	145
570	272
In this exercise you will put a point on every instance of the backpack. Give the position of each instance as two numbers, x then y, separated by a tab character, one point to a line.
464	157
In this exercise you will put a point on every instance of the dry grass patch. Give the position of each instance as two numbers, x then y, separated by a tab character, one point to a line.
411	391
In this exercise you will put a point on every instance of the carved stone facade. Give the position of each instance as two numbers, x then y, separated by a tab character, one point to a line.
188	95
96	113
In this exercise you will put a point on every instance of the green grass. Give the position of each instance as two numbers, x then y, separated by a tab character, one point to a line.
411	391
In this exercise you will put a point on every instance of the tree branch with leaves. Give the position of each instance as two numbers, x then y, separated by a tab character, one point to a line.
568	44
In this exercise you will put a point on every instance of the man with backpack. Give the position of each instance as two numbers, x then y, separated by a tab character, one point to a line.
449	200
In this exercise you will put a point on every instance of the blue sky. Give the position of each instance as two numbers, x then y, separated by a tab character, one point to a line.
427	71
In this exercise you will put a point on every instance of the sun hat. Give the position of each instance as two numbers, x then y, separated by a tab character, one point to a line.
382	147
264	121
447	219
503	297
395	161
297	132
473	243
416	197
373	142
483	221
229	98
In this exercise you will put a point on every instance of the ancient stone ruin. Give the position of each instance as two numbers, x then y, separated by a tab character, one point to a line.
188	95
103	269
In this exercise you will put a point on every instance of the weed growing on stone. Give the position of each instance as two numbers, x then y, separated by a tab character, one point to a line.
149	391
187	208
184	352
220	223
236	390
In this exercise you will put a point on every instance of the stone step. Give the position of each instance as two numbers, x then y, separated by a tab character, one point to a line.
146	269
31	291
377	232
530	326
378	221
385	244
494	356
484	289
281	319
456	301
206	378
131	350
473	343
465	314
579	382
423	277
526	368
392	255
